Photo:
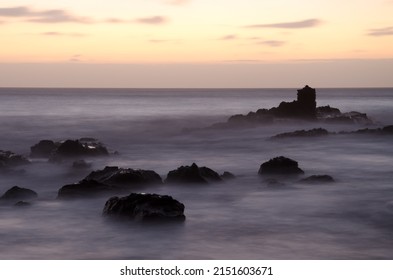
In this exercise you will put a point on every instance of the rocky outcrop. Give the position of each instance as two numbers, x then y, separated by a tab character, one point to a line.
113	175
316	132
43	149
111	179
56	151
192	175
145	207
386	130
317	179
280	166
17	194
227	176
303	108
9	159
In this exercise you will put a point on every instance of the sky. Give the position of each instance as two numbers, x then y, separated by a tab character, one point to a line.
196	43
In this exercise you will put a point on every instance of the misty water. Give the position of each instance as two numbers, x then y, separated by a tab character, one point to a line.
245	218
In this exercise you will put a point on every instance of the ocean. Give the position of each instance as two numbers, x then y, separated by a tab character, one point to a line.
244	218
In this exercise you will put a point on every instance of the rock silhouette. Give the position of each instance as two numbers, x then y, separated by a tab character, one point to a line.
280	166
145	207
317	179
9	159
192	175
17	194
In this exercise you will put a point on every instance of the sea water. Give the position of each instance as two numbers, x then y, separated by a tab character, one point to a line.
245	218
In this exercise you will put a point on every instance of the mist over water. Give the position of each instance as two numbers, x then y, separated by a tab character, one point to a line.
246	218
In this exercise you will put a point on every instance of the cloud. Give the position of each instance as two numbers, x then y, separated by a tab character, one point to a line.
43	16
155	20
75	58
386	31
59	34
272	43
229	37
308	23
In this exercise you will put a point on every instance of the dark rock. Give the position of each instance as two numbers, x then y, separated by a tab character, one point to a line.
113	175
327	112
388	129
145	207
227	176
304	107
17	193
280	166
192	175
44	149
22	204
350	117
79	148
86	189
273	183
316	132
10	159
318	179
81	164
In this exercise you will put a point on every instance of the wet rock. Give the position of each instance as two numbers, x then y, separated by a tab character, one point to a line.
22	204
43	149
317	179
316	132
227	176
16	193
327	112
192	175
113	175
145	207
9	159
280	166
350	117
80	148
86	189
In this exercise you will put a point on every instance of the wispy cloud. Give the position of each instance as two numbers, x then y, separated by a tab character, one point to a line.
60	34
272	43
386	31
43	16
308	23
229	37
155	20
76	58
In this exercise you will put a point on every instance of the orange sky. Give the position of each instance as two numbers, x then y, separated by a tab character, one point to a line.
186	36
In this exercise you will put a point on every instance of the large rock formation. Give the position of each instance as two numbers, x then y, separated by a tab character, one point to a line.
16	194
111	179
303	108
9	159
315	132
192	175
145	207
280	166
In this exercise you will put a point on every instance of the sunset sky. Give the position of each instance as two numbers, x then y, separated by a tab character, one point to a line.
196	43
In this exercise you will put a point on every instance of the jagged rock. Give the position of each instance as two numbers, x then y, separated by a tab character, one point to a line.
80	148
86	189
280	166
192	175
113	175
350	117
317	179
16	194
327	112
145	207
316	132
375	131
43	149
10	159
227	176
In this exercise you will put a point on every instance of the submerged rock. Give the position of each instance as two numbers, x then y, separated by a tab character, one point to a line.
9	159
113	175
280	166
86	189
22	204
227	176
317	179
192	175
316	132
81	164
16	194
145	207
